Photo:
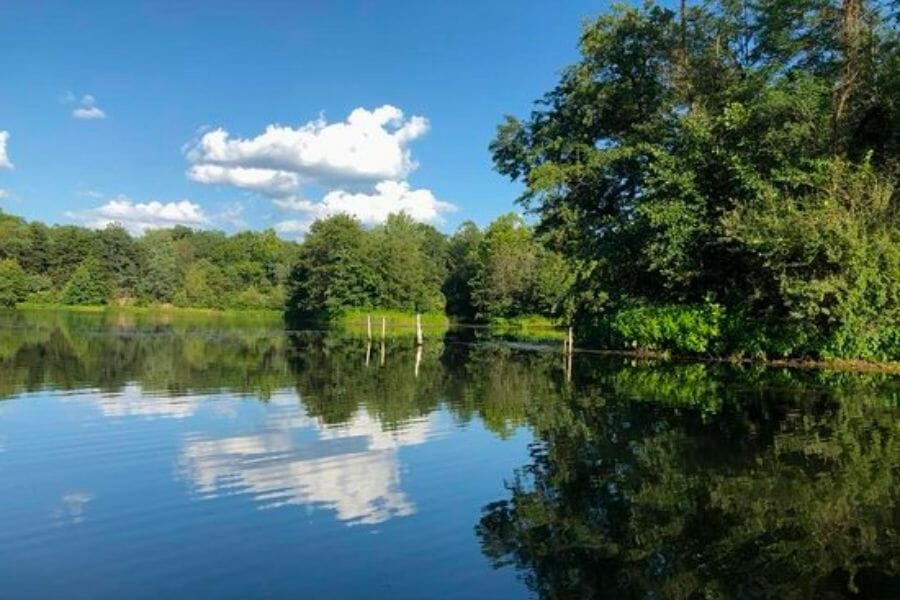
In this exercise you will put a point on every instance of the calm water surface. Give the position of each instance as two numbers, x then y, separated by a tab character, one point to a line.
161	458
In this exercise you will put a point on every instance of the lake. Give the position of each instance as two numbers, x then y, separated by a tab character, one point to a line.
171	457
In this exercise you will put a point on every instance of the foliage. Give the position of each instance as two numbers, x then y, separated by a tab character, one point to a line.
691	329
334	271
179	265
89	284
13	283
405	266
743	155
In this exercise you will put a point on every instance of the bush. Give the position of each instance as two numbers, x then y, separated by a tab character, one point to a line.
681	328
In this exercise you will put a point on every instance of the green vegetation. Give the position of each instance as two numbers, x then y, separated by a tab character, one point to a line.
397	323
13	283
202	269
723	178
407	267
716	180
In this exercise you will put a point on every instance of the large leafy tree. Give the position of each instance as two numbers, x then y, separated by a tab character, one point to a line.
409	272
90	284
334	270
677	125
13	283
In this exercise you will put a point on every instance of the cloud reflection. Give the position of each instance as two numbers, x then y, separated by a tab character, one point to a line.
352	469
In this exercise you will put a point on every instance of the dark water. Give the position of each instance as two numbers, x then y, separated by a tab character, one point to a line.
210	459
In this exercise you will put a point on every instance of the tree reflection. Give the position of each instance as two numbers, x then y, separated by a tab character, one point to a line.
638	488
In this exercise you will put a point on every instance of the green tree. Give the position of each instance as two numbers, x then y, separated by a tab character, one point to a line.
334	270
506	258
13	282
674	127
90	284
161	272
118	253
462	266
408	277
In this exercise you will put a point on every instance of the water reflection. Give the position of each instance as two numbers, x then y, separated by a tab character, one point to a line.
643	480
717	489
352	468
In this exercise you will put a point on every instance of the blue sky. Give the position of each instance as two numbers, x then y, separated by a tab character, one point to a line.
151	113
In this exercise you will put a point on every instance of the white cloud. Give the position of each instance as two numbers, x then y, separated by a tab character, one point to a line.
87	107
370	208
140	216
369	146
88	113
266	181
362	163
4	193
5	163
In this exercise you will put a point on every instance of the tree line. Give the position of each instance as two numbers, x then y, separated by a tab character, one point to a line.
500	272
180	266
503	271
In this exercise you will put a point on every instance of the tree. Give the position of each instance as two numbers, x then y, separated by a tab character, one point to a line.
89	285
334	270
672	127
117	252
160	275
13	283
462	265
409	275
506	258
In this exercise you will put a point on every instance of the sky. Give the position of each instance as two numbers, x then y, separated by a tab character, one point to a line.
233	115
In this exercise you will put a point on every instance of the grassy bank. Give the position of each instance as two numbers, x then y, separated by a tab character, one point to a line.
396	323
157	309
527	328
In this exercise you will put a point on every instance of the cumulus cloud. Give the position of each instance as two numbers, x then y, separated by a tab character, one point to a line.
265	181
87	107
362	163
140	216
370	208
369	146
5	163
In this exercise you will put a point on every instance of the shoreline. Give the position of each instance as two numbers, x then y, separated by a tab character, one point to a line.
398	319
156	309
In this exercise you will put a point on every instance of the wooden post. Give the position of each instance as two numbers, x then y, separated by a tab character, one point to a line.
571	341
369	326
382	353
383	328
418	329
368	352
418	360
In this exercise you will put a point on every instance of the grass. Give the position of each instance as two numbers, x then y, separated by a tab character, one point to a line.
157	309
397	323
532	328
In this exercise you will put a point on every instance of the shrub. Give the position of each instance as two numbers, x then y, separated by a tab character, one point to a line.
681	328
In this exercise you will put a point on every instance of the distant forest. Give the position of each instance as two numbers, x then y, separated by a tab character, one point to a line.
502	271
